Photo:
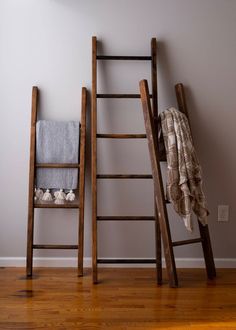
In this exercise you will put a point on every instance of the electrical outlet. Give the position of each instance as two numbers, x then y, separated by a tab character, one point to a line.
223	213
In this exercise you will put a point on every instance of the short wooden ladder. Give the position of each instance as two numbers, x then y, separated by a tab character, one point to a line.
79	201
204	238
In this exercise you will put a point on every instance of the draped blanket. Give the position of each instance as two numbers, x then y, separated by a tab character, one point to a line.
184	179
57	142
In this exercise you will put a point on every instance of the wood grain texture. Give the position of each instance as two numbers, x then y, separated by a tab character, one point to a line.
204	230
119	96
155	118
95	135
181	100
154	81
125	218
158	183
128	299
78	203
124	176
81	183
30	229
57	165
151	130
94	157
124	58
55	246
121	136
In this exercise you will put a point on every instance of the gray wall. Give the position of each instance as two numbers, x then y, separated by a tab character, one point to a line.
48	43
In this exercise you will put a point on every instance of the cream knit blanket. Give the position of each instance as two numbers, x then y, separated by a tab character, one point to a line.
184	179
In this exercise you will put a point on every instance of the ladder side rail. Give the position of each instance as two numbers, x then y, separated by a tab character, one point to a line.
30	230
155	117
94	158
204	230
82	180
158	184
154	80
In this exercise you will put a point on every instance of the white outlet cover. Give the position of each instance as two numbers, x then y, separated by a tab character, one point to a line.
223	213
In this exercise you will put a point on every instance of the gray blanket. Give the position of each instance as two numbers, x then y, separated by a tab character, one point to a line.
57	142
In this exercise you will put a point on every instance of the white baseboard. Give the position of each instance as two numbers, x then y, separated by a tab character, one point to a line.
72	262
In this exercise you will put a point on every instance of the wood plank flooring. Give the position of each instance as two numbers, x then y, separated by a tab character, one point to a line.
124	299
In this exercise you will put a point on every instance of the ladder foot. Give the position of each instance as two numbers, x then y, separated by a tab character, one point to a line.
159	274
212	275
29	271
174	285
80	273
95	278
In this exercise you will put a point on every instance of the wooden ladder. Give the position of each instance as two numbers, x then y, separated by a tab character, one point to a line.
95	175
78	203
204	238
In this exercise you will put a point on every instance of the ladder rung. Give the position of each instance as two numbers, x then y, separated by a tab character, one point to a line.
54	246
119	96
126	261
162	159
57	165
52	205
124	176
125	218
121	136
129	58
188	241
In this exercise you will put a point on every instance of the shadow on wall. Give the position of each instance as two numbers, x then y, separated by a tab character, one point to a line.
217	166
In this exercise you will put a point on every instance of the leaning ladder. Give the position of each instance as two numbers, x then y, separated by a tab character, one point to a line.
159	192
79	201
95	176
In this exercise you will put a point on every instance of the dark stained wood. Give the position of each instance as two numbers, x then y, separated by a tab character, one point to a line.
124	58
95	176
55	246
128	299
81	183
159	191
154	81
181	100
57	165
30	231
119	96
94	158
125	218
121	136
158	184
158	246
78	203
52	205
187	241
126	261
155	118
207	251
204	230
124	176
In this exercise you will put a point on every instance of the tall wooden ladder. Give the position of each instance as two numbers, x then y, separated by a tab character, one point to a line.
78	203
95	176
204	238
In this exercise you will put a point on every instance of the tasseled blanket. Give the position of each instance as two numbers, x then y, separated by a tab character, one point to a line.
57	142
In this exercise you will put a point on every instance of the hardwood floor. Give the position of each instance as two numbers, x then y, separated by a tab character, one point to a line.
125	299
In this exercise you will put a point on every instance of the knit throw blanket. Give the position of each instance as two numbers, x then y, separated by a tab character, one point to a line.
184	179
